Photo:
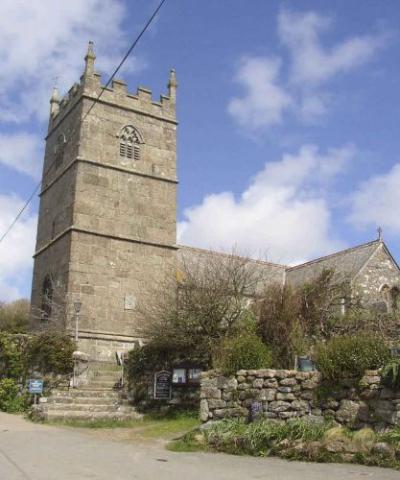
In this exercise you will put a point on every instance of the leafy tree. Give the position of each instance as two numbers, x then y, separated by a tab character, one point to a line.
14	316
12	360
50	353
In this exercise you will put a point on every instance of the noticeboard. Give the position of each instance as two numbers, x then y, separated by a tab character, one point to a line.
162	385
35	386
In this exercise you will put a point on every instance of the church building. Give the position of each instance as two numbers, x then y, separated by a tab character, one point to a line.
107	217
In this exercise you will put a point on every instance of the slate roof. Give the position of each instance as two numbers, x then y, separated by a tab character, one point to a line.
346	263
271	272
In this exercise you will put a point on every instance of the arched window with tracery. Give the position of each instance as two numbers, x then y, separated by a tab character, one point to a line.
129	143
47	298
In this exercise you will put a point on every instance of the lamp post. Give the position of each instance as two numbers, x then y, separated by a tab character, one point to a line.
77	308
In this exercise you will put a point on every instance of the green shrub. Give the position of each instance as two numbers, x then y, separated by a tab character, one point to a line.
10	398
392	436
243	352
348	357
391	374
51	353
14	316
11	356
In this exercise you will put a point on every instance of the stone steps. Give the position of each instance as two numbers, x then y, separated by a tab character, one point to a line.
98	384
96	400
87	392
82	400
88	415
76	407
106	378
105	368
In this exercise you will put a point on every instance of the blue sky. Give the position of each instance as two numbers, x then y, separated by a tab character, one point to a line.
289	111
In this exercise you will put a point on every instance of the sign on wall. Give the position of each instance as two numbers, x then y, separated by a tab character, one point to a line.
162	385
35	386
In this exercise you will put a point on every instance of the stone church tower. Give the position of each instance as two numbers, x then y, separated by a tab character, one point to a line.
107	218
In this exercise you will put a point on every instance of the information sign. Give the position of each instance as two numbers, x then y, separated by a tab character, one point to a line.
35	386
162	385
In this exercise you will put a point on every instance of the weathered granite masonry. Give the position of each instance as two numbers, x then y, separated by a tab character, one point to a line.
107	219
286	394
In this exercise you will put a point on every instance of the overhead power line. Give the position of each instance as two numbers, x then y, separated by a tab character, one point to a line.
46	172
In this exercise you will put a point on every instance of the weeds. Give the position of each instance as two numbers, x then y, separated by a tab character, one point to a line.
297	439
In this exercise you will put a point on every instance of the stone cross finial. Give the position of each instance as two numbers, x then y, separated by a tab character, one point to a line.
89	60
380	233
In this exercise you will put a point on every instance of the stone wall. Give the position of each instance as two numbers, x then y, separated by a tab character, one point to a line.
285	394
380	271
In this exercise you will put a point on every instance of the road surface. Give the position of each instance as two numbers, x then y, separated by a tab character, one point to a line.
40	452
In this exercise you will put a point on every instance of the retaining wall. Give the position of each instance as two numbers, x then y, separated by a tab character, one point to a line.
285	394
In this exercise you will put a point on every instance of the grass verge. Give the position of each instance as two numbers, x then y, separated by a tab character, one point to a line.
296	440
150	426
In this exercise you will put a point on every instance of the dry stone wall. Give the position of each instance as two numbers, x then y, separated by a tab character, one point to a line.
285	394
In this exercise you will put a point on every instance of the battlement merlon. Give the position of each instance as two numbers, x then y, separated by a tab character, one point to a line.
90	86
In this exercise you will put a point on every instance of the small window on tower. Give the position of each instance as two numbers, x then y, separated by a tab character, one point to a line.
130	140
47	299
59	151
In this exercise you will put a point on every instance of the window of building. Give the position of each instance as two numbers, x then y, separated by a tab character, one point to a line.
59	150
130	140
395	297
386	298
194	375
186	375
343	306
179	375
47	298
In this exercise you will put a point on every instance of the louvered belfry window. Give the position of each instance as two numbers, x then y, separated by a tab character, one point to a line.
129	146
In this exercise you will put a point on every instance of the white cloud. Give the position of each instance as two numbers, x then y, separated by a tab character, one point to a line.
270	94
23	152
283	211
376	201
48	40
311	61
16	249
264	101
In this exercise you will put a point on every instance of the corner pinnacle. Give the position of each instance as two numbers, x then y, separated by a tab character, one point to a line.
89	60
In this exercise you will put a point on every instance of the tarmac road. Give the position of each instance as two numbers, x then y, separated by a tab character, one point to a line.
40	452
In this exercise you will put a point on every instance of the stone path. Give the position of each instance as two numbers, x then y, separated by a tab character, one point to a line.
37	452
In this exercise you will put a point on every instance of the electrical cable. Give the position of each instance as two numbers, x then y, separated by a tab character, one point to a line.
46	172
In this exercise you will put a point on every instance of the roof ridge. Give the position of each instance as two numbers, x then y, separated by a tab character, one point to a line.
262	262
331	255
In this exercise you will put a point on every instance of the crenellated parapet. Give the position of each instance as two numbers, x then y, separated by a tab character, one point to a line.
90	87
